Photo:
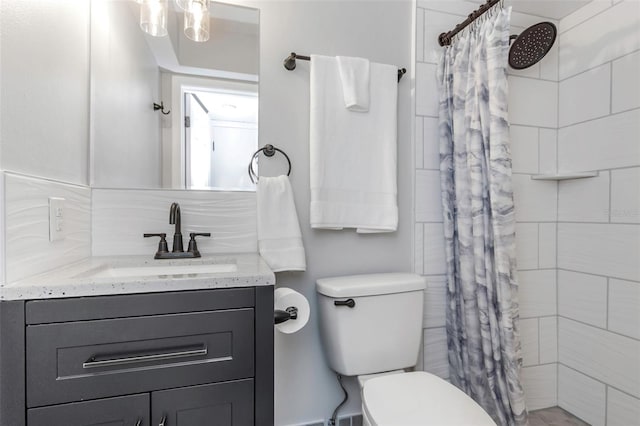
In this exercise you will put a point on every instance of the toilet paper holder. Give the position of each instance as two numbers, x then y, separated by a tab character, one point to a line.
290	313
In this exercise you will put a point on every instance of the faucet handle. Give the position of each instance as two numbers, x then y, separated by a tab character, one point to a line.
162	245
193	247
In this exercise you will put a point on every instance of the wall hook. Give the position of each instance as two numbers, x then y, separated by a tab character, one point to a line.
160	107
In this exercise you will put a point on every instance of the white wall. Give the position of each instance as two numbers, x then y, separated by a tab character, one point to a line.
533	116
45	125
126	145
599	218
306	390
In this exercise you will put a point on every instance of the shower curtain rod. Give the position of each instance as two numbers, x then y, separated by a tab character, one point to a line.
445	38
290	63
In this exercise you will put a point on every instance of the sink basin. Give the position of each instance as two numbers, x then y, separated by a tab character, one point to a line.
160	270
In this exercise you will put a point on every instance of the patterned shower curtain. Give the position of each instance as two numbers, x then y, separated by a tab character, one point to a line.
479	223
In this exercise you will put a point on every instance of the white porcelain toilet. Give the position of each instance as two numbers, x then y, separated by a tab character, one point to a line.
371	327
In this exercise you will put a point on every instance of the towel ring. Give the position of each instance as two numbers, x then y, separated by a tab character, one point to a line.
269	151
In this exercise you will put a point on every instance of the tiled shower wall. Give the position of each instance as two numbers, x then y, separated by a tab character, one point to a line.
533	106
599	218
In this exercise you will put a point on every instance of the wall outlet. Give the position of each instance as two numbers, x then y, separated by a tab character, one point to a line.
56	219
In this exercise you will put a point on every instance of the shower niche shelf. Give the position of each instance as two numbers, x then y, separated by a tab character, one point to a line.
564	176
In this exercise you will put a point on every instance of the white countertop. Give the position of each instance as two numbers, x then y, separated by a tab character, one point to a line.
77	280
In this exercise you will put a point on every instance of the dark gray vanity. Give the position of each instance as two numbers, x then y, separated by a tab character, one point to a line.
186	358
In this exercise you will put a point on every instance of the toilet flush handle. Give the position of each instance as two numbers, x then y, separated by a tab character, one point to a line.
349	302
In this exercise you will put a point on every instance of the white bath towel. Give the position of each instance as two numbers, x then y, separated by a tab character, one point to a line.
353	154
279	237
354	78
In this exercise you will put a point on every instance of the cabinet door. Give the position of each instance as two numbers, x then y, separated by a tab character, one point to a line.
122	411
218	404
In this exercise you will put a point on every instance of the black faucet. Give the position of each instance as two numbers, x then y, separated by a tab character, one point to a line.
178	249
174	219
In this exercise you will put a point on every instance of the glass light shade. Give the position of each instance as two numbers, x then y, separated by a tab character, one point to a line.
196	20
153	17
183	4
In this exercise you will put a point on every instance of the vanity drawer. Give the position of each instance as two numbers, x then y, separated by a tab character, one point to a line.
81	360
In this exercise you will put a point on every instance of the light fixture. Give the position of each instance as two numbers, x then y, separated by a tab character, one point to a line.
196	20
183	4
153	17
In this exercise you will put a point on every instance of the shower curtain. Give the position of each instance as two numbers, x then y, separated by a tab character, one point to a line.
475	169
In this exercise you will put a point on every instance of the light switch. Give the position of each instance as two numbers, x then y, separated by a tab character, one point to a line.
56	219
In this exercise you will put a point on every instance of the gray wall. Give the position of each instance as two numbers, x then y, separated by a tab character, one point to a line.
306	389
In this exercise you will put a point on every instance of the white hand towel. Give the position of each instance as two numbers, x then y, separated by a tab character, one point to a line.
279	237
353	155
354	76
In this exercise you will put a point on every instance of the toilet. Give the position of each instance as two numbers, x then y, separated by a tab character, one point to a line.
371	327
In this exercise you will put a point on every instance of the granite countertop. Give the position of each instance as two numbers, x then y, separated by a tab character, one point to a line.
91	277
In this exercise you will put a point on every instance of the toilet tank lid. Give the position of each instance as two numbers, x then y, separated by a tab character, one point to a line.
370	284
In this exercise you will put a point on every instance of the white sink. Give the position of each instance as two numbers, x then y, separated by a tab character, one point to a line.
160	270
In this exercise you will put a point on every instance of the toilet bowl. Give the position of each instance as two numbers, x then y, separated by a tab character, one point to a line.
418	399
371	327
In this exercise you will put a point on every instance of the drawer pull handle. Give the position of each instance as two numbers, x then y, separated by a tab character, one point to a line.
163	422
139	422
93	363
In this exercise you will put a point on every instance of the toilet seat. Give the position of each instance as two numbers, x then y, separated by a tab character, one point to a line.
418	399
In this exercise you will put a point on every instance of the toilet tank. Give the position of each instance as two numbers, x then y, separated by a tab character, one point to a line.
371	323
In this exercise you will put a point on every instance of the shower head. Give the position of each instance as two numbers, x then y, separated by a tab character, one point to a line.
532	45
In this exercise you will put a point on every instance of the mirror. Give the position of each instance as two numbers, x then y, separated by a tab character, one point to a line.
206	129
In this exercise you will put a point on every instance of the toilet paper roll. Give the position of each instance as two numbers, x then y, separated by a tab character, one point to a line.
285	297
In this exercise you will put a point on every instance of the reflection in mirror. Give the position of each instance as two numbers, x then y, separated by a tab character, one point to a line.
210	89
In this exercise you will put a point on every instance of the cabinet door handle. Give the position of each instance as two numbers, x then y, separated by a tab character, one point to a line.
163	422
139	422
186	352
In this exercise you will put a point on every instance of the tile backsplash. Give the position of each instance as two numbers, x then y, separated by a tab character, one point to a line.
121	216
28	249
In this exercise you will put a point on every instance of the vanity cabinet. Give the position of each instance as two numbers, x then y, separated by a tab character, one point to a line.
188	358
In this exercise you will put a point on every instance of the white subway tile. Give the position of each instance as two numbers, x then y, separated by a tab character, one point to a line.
625	195
419	35
419	141
584	13
537	293
529	341
548	151
585	96
431	140
435	302
540	386
624	307
583	298
626	84
602	249
426	90
428	198
527	245
604	143
548	340
584	200
434	253
435	352
524	149
605	356
535	200
547	245
418	247
581	396
607	36
436	23
549	64
533	102
622	409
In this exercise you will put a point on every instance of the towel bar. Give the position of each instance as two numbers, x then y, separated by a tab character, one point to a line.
290	63
269	151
